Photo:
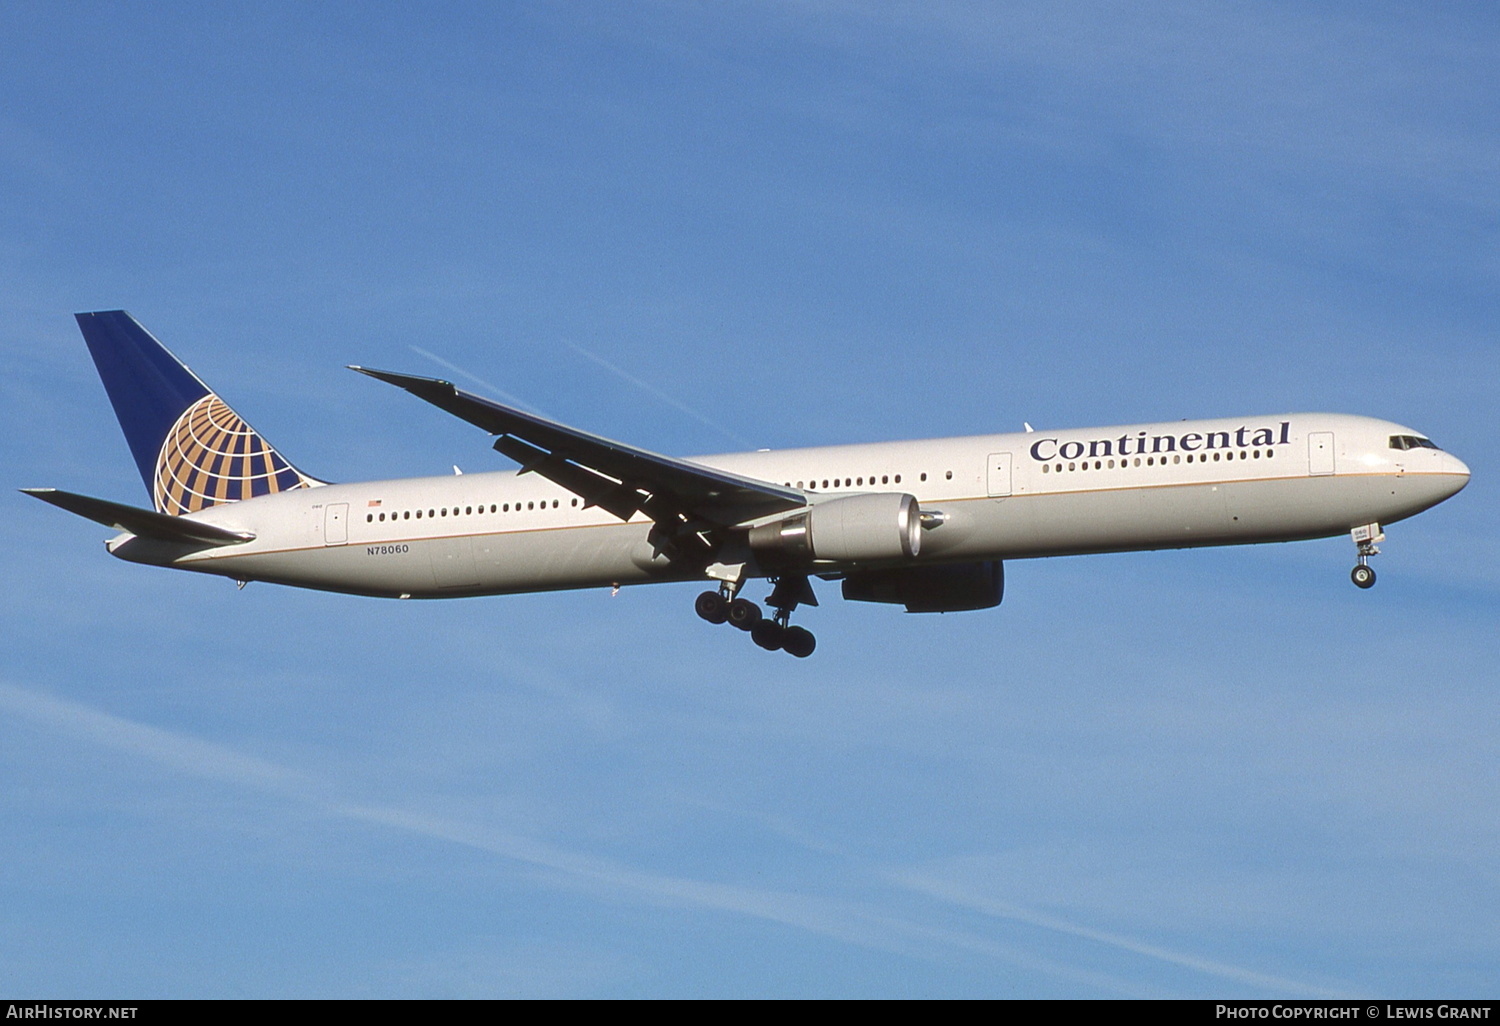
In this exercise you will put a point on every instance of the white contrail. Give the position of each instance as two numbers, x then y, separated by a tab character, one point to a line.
178	751
844	921
947	891
659	394
602	362
487	386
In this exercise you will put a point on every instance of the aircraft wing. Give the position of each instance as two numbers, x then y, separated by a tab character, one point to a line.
616	477
144	523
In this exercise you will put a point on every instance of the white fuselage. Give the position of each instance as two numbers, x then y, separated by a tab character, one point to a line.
1012	496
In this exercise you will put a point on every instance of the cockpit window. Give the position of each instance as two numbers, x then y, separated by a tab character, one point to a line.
1404	442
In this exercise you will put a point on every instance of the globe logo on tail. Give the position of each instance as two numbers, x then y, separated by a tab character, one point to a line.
212	456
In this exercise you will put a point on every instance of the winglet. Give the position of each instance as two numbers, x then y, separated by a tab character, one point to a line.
431	389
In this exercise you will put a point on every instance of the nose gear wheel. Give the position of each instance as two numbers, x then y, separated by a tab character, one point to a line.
1365	537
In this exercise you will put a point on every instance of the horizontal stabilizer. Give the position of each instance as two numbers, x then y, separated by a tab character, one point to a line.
143	523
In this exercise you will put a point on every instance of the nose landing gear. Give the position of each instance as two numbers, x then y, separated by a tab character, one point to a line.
1365	537
770	633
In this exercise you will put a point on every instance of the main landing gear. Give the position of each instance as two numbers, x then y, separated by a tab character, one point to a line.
1363	575
770	633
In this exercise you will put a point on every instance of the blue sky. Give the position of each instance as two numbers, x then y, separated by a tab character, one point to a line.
698	227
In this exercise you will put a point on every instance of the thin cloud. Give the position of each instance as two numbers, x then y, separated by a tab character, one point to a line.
843	921
945	890
176	751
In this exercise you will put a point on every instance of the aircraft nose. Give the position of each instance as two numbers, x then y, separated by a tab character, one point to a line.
1460	471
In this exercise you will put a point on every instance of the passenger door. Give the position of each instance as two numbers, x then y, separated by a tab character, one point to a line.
1320	454
336	524
999	474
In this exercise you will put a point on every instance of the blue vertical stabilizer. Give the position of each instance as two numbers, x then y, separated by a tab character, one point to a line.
192	450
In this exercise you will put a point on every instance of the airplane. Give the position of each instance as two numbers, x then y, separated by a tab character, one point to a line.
926	524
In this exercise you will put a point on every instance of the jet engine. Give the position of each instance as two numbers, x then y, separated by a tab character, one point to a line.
941	588
880	526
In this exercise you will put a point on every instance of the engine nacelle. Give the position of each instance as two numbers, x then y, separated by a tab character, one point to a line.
941	588
885	525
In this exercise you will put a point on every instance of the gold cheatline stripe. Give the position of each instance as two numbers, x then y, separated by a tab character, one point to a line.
223	554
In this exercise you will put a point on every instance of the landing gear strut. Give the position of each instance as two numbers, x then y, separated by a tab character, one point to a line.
770	633
1363	575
